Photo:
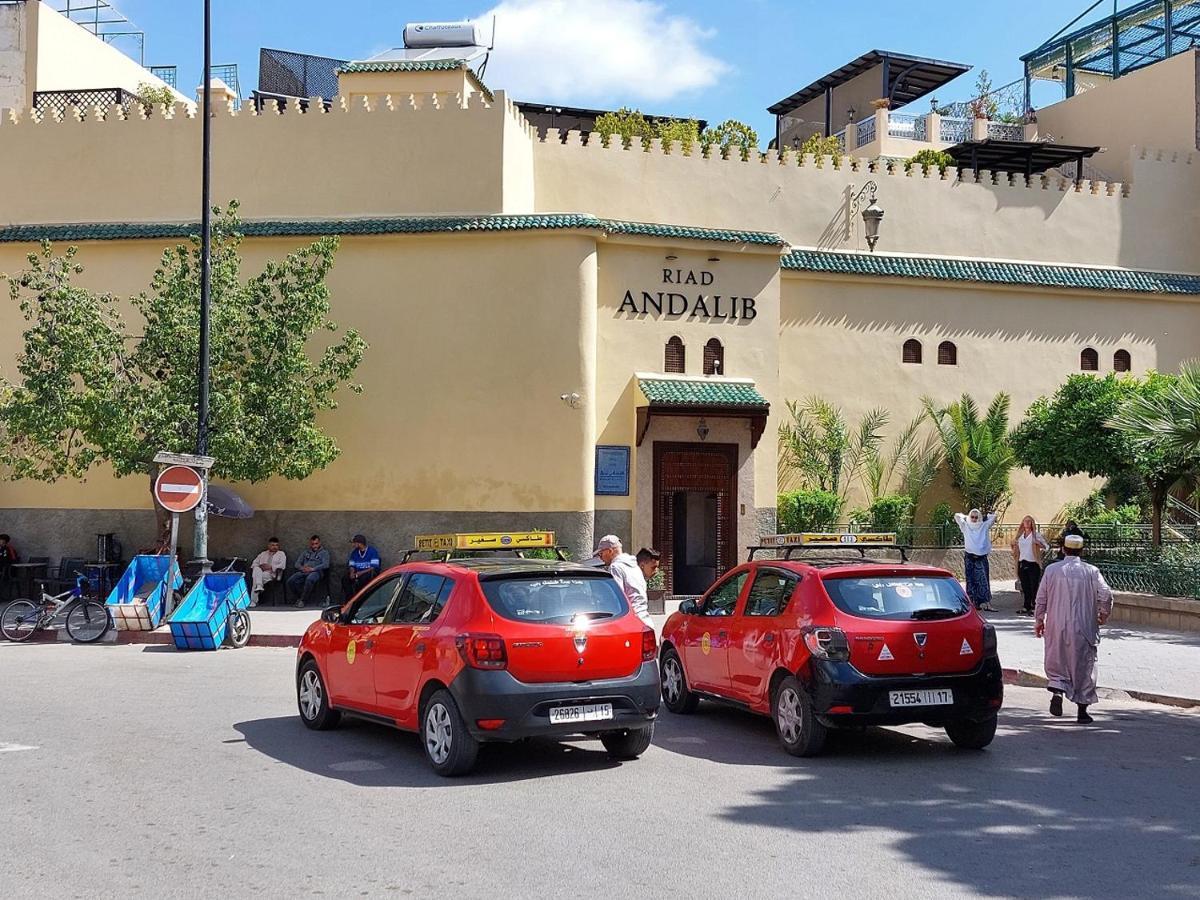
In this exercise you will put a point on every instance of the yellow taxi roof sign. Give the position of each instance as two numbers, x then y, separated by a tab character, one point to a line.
828	539
486	540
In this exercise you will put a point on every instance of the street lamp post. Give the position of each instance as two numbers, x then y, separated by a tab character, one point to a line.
200	541
872	215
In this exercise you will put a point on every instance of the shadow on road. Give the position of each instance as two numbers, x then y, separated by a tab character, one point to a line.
1050	809
369	755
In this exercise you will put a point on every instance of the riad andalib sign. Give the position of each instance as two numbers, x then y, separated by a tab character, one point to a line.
683	300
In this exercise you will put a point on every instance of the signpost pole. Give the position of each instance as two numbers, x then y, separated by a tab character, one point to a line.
200	541
174	555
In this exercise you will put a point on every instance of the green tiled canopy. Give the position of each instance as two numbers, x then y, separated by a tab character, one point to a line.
701	392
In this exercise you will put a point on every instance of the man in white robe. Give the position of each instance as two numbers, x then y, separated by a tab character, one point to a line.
1073	601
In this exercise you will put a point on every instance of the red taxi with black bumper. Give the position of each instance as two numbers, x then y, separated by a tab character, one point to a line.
469	651
820	643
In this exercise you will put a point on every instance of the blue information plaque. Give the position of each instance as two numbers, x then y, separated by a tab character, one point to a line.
612	470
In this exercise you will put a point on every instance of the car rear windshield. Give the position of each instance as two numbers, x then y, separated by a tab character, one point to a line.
555	599
898	596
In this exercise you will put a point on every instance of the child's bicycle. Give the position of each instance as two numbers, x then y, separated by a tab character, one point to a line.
87	620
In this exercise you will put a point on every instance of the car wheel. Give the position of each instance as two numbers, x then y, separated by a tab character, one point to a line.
628	744
449	747
972	735
676	696
313	699
795	722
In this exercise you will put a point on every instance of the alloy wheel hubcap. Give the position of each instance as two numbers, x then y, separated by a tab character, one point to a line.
787	714
672	681
310	695
438	733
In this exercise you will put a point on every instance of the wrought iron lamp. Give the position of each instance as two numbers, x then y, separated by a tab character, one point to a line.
872	215
702	430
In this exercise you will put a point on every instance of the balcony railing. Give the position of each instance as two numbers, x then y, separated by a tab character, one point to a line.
902	125
59	103
841	140
866	131
1004	131
955	131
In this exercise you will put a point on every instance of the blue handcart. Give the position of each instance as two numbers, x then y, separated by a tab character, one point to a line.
214	611
140	598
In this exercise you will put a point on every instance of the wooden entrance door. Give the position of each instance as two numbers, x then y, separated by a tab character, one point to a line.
707	470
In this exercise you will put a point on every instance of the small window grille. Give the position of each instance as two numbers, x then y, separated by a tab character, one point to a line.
1089	360
1122	361
912	351
675	356
947	354
714	358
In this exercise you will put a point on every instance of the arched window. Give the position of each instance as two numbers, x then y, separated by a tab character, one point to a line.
714	358
675	355
912	351
1089	360
1121	361
947	354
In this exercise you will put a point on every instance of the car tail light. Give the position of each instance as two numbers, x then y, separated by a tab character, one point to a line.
989	640
490	724
649	645
482	651
827	643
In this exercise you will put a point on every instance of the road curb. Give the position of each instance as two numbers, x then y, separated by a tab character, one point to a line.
52	635
1023	678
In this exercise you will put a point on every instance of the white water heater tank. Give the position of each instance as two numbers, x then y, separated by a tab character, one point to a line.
442	34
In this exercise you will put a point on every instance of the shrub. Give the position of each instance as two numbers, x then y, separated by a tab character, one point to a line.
1094	510
941	517
809	510
890	512
928	158
820	147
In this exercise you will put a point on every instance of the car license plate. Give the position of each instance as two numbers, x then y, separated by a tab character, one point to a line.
590	712
942	697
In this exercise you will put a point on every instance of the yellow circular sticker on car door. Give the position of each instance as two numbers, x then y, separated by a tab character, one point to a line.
705	643
351	649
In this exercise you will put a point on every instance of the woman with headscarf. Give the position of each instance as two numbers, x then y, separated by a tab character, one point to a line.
977	544
1027	549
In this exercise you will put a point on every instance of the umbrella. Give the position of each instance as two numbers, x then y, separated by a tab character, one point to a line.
223	501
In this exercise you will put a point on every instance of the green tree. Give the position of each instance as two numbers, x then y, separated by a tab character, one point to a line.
819	449
94	389
984	105
976	448
729	136
820	147
1076	431
908	469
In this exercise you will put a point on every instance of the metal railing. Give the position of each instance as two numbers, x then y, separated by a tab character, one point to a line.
955	131
1100	536
1005	131
59	103
841	140
902	125
1165	578
866	131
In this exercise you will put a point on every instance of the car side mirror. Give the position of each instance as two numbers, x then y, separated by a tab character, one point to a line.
332	614
688	607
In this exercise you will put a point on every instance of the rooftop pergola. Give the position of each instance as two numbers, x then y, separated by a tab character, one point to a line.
1026	158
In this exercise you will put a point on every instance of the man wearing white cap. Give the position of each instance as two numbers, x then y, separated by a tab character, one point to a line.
624	569
1073	601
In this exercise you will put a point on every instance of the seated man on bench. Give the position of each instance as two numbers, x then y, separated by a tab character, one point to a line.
312	566
268	566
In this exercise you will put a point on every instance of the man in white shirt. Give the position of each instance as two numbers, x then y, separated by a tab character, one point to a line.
624	569
268	566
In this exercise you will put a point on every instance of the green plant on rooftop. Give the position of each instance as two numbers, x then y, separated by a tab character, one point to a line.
819	449
983	105
930	159
820	147
153	95
976	449
100	384
1094	426
729	137
630	124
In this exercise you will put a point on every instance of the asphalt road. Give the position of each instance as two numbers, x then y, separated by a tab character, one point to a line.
129	771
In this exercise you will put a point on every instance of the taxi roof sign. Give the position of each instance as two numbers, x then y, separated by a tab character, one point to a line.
488	540
828	539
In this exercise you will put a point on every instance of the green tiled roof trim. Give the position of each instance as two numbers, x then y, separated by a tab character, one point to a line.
418	65
396	225
993	272
404	65
672	392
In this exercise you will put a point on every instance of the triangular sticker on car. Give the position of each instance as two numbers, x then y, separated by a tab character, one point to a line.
966	649
885	653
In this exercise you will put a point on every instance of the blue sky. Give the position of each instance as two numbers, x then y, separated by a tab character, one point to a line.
713	59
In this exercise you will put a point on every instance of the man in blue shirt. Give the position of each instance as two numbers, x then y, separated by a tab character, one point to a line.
361	567
310	569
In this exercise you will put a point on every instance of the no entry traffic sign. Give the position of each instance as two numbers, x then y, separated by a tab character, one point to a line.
178	488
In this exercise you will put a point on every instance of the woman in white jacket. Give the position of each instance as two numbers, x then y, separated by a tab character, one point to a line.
977	544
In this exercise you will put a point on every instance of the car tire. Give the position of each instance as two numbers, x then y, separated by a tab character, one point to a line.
629	744
796	723
673	684
972	735
312	699
449	747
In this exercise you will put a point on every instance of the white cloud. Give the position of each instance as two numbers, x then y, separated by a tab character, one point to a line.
604	52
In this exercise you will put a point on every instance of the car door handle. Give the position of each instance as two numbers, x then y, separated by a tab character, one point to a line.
420	648
368	644
769	638
723	634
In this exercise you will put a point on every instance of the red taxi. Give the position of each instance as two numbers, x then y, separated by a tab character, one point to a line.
820	642
496	648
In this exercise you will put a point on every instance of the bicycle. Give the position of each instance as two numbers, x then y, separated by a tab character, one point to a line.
87	620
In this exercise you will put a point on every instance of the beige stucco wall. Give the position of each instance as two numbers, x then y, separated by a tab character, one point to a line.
1152	107
71	58
841	338
451	85
14	49
460	407
810	205
629	343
